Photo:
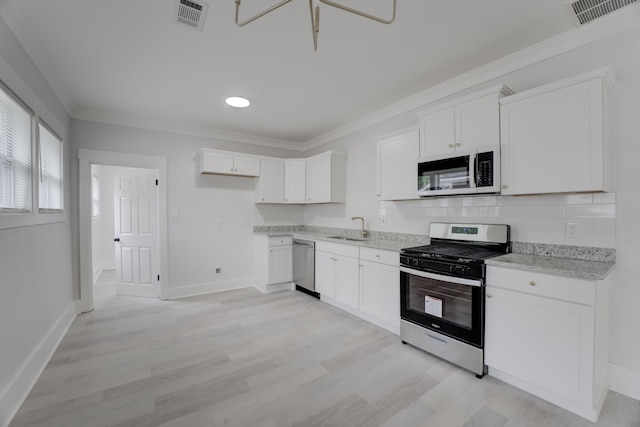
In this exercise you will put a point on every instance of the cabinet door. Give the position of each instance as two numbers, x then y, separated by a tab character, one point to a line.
553	142
325	280
215	162
318	179
545	342
347	280
398	166
295	181
437	133
246	165
271	185
380	292
280	264
478	123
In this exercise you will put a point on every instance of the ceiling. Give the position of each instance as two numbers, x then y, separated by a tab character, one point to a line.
130	62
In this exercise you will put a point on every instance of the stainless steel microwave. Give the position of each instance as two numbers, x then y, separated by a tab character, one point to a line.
470	171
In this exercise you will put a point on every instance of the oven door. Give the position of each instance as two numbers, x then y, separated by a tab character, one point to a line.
452	306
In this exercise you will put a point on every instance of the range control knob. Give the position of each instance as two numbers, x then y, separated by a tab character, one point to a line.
460	270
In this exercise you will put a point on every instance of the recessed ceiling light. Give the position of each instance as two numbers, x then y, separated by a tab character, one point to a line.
237	101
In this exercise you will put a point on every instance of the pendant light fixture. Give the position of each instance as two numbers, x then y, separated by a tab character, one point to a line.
314	9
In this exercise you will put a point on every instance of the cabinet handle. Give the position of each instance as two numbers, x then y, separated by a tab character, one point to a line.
504	186
377	256
236	170
458	144
231	169
378	195
489	296
532	283
450	145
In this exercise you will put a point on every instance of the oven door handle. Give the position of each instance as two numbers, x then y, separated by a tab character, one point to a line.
442	278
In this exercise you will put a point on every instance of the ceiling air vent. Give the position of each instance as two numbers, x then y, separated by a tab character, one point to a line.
192	13
588	10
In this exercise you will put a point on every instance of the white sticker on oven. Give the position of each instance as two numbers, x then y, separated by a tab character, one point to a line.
433	306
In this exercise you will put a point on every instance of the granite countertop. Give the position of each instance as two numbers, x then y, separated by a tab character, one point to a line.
594	270
387	245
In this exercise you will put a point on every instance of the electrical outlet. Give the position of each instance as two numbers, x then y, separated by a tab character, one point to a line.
218	270
573	229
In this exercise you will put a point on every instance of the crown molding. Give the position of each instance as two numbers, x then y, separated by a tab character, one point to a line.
617	22
188	130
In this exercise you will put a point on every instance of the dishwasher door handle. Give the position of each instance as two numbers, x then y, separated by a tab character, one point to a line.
304	246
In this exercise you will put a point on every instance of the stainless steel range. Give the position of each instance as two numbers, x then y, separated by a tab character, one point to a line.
442	290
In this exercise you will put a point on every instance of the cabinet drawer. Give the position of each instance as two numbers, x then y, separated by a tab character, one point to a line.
280	241
338	249
546	285
381	256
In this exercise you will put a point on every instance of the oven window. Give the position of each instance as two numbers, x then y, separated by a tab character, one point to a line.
449	301
445	174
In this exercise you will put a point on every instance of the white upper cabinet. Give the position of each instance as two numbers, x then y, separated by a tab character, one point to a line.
271	186
473	121
228	163
554	137
397	164
295	181
325	178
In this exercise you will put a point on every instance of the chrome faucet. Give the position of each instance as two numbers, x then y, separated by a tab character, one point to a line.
363	232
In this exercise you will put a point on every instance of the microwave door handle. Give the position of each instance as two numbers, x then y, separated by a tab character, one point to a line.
473	168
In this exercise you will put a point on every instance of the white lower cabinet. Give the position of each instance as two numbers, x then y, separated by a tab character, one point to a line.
337	272
380	287
548	335
273	262
363	281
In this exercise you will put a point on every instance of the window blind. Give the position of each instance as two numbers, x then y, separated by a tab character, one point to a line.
15	155
50	170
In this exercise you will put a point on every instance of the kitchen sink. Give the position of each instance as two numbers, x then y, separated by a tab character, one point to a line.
353	239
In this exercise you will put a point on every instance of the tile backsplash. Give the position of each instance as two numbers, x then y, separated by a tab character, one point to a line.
587	220
535	219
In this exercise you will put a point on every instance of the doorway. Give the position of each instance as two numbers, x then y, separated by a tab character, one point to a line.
124	231
148	166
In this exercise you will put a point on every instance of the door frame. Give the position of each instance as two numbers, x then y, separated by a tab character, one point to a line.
88	157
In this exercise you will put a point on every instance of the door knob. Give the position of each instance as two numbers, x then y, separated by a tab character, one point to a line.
117	239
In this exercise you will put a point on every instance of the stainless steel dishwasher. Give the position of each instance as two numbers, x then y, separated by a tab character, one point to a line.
304	253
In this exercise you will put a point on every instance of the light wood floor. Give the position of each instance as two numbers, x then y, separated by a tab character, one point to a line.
241	358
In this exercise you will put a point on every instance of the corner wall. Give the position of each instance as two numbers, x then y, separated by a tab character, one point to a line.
36	281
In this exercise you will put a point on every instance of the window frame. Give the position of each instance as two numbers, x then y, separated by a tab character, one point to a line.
30	208
95	198
12	84
39	164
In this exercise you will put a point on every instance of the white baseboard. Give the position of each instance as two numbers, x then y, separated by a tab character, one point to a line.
209	288
25	378
97	271
624	381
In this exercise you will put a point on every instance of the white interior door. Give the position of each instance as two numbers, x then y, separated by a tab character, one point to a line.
136	233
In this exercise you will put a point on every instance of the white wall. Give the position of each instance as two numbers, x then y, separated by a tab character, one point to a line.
36	282
195	243
606	220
